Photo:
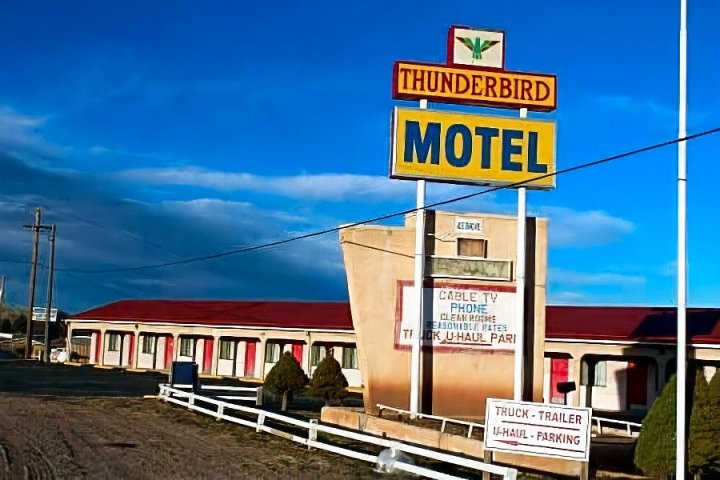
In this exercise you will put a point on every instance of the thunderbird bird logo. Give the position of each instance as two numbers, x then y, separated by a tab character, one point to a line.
477	46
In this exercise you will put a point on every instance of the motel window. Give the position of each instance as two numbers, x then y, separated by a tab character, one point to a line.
595	378
317	353
148	344
350	359
227	350
113	342
273	352
186	347
472	247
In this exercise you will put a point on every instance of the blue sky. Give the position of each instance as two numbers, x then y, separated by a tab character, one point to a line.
154	131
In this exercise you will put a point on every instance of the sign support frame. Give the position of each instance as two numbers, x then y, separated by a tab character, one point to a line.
418	292
681	354
520	288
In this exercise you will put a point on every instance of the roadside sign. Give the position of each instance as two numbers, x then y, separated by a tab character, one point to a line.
472	149
474	86
39	314
476	47
555	431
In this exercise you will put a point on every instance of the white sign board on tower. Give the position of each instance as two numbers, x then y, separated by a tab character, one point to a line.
472	226
555	431
459	317
39	314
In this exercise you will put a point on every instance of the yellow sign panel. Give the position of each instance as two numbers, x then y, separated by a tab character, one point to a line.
473	86
476	149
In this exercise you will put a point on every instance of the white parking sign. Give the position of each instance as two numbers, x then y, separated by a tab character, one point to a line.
555	431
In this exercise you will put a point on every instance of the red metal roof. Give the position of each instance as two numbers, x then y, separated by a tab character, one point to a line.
647	324
313	315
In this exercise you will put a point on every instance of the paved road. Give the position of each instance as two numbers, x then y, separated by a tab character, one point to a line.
30	377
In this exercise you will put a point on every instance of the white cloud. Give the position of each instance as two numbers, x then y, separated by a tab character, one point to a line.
228	211
561	276
566	297
571	228
19	136
637	105
317	187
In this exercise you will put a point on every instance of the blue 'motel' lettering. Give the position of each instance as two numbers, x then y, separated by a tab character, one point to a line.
486	136
459	152
414	141
533	166
465	149
508	150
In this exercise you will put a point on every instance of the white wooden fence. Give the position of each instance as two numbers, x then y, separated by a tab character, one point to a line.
445	420
257	393
632	429
220	409
628	426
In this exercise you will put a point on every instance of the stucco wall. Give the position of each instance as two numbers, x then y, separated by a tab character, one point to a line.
455	383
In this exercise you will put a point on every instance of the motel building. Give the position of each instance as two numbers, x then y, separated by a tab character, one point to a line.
616	359
225	338
619	358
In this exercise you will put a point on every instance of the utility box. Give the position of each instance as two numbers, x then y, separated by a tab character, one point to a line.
184	375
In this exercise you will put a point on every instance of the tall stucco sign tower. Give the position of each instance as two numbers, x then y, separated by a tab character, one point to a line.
449	309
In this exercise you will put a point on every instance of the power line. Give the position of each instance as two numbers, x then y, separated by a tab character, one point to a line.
43	265
237	251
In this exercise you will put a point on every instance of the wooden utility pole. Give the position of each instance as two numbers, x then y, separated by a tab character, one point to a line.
33	272
48	313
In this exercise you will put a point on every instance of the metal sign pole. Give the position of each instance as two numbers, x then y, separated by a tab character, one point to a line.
681	252
415	366
520	289
48	312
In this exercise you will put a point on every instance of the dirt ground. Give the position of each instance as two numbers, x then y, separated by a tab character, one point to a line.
60	422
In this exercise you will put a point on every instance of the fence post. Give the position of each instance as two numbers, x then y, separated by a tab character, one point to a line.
191	400
221	412
585	471
260	421
312	432
259	396
487	458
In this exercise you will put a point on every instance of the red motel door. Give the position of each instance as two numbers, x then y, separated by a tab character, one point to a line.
98	347
297	350
169	340
558	374
250	350
207	355
131	353
637	383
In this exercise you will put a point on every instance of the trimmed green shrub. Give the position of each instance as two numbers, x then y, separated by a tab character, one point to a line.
655	449
286	376
714	420
704	434
328	381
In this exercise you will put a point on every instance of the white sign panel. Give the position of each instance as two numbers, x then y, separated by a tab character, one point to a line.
39	314
555	431
473	226
476	47
459	317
